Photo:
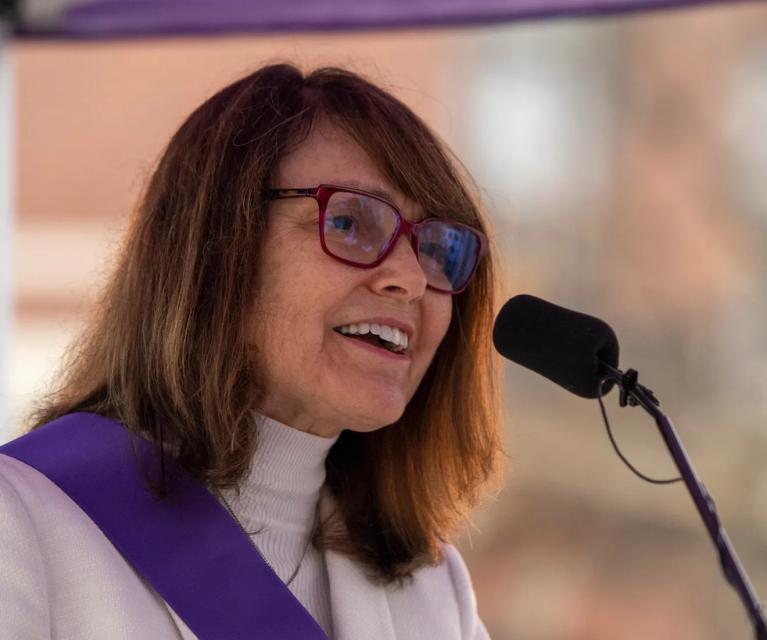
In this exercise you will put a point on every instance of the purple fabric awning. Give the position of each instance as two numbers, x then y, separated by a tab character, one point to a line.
132	18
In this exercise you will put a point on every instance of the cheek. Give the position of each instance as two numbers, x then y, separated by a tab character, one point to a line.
443	314
439	314
286	290
291	310
272	319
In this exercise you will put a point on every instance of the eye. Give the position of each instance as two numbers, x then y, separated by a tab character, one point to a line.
342	223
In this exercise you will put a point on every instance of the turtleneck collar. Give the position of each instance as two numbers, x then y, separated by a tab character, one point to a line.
282	487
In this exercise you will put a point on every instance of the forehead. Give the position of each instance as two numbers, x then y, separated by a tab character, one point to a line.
330	156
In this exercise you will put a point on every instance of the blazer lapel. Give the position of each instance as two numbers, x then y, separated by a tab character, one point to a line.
360	607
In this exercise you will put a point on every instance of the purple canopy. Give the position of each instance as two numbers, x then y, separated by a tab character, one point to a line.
130	18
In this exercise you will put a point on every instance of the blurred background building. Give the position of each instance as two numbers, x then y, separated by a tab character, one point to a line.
623	162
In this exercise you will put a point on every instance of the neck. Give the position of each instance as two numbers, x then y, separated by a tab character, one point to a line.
283	484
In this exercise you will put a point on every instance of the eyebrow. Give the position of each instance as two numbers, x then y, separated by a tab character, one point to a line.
376	191
380	192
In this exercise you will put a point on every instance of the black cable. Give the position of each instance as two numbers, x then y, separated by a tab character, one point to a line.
615	445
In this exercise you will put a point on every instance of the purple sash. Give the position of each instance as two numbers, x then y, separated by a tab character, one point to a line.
186	546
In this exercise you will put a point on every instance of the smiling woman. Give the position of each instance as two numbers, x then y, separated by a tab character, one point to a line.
299	323
311	375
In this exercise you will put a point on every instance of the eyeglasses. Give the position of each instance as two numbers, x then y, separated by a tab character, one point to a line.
361	229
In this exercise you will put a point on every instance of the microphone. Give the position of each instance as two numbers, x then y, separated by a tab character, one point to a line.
567	347
577	351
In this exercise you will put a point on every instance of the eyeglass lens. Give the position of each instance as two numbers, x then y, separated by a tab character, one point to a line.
358	228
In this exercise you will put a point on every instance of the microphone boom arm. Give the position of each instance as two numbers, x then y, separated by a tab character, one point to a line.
634	394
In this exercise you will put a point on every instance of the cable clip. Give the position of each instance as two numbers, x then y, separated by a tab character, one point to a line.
630	381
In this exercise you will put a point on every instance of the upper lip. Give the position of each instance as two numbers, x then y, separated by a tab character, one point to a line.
403	326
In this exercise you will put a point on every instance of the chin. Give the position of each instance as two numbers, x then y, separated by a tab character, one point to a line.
376	417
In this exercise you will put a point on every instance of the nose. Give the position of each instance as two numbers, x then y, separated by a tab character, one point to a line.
400	274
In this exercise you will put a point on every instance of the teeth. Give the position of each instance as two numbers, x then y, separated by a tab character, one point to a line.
394	336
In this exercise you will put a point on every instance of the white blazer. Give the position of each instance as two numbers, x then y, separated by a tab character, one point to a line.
61	578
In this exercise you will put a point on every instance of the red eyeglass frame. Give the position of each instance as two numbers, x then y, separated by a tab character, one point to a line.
322	194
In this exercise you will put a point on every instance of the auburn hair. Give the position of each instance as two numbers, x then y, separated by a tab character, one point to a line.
165	351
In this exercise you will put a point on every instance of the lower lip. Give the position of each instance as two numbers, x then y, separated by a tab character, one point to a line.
381	351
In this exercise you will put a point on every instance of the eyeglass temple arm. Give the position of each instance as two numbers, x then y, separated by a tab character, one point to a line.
291	193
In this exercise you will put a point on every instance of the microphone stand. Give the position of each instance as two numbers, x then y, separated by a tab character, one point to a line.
634	394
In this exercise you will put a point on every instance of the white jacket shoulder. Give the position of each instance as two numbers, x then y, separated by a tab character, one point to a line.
60	576
24	610
472	627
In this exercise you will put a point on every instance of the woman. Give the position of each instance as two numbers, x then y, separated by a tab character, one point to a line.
300	319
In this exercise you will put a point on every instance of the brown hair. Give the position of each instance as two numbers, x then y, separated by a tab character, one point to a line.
166	351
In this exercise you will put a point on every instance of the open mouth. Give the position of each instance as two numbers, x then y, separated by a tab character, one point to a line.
381	336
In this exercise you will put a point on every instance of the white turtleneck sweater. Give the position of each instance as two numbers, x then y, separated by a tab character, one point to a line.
279	498
61	578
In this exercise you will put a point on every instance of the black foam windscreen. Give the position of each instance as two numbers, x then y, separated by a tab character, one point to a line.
563	345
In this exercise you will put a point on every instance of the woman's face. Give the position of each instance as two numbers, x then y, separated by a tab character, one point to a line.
317	379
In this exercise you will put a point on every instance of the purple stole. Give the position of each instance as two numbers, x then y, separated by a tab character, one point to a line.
187	546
